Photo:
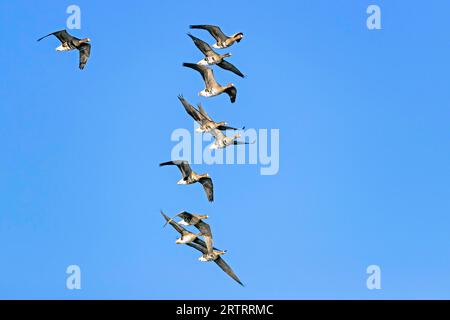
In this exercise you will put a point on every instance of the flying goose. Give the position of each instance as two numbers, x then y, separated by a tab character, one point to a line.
222	41
212	58
203	119
222	141
190	177
212	87
189	219
69	42
200	245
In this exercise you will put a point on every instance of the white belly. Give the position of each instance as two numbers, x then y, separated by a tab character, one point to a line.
208	94
63	47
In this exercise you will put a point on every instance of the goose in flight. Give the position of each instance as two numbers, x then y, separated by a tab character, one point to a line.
213	58
190	177
203	119
200	245
222	141
212	87
189	219
222	40
69	42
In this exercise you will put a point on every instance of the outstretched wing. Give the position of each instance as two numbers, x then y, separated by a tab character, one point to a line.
228	66
207	73
175	225
202	46
208	187
205	229
242	142
203	112
85	52
183	215
62	36
182	165
213	30
225	128
196	115
227	269
232	92
219	261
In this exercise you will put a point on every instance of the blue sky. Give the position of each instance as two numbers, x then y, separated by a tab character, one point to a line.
364	151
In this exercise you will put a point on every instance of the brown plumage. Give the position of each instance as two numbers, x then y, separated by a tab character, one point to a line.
69	42
201	246
212	87
190	177
213	58
222	40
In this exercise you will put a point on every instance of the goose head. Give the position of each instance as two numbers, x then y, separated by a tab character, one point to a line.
238	36
85	40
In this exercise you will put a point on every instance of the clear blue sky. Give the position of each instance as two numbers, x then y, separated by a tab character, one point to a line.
364	159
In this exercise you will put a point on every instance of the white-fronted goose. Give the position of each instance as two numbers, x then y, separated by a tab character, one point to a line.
212	87
213	58
222	141
200	245
69	42
222	40
190	177
189	219
203	119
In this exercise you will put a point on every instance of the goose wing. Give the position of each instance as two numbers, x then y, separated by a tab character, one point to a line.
205	229
207	74
208	187
196	115
242	142
232	93
213	30
175	225
186	216
181	230
203	112
225	128
219	261
227	269
62	36
202	46
182	165
85	52
229	66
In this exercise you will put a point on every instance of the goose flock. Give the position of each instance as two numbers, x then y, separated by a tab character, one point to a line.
207	125
203	239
